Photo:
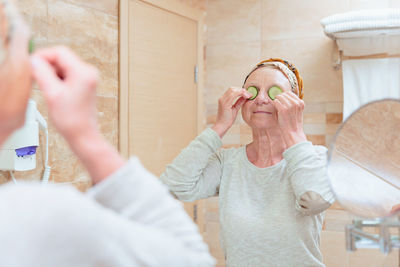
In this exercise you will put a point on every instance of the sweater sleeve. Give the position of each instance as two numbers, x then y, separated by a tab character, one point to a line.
171	238
306	167
196	172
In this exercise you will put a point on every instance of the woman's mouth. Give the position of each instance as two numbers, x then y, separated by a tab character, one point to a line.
262	112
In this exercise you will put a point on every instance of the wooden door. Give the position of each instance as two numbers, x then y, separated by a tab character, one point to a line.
161	97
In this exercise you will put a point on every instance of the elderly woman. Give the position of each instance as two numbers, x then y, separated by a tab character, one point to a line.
127	219
271	191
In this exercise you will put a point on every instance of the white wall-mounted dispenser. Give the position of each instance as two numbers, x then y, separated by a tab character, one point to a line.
18	153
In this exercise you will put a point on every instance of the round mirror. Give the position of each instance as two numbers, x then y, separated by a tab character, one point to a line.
364	160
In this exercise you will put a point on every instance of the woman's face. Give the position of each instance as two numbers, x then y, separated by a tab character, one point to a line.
260	113
15	77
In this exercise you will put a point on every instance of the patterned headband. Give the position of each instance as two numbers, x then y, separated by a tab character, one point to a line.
289	70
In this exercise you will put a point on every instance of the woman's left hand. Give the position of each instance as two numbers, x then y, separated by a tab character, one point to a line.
289	109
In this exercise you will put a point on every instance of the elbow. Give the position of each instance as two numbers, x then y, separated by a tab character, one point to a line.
181	191
182	194
311	203
185	196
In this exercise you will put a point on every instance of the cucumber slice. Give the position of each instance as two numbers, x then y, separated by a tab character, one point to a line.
274	91
252	90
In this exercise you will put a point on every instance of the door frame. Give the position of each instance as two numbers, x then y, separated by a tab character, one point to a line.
175	7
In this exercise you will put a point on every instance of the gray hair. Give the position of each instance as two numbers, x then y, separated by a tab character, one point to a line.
8	14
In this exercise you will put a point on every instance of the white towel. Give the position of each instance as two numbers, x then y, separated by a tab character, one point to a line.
368	21
368	80
362	15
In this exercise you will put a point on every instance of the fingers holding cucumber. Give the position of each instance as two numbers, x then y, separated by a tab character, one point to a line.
229	105
232	95
288	101
289	109
253	91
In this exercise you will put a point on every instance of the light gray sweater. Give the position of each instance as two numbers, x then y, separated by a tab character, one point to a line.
269	216
127	220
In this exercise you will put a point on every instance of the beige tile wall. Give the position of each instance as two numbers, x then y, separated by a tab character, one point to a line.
242	32
90	28
199	4
239	33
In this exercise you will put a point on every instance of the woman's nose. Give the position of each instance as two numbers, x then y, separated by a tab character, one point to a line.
262	98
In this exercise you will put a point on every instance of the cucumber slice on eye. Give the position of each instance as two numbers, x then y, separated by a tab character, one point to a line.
252	90
274	91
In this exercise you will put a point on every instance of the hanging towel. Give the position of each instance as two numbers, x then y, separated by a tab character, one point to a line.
367	80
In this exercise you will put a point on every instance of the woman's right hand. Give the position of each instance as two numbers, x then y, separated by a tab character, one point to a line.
229	105
69	87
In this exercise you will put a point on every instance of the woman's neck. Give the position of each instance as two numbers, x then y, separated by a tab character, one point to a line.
267	147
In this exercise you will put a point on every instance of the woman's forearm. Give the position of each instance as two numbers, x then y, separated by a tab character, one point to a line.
306	167
220	129
98	156
195	173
